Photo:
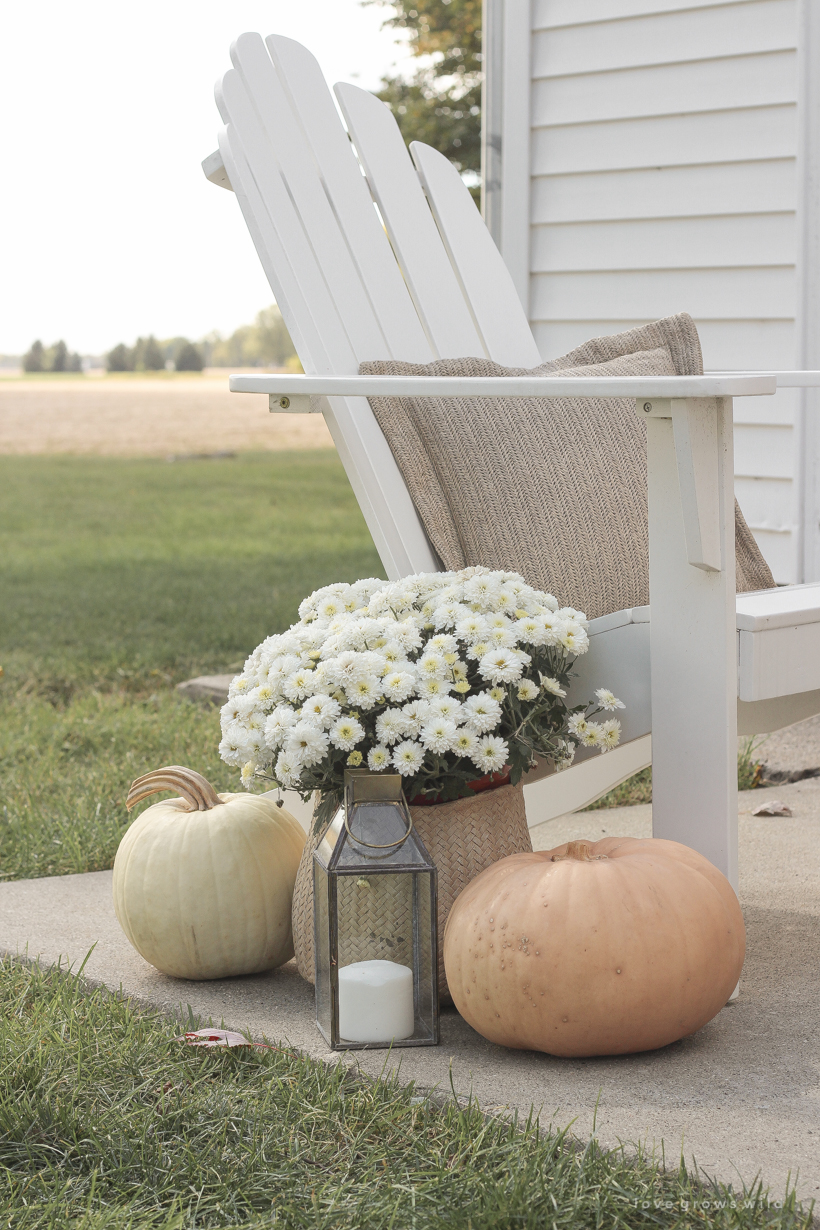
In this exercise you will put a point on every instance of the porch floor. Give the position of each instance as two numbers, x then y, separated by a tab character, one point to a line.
741	1097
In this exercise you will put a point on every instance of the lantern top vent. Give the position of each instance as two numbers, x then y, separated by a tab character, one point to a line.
373	830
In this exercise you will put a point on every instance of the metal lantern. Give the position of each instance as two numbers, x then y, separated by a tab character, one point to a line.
374	919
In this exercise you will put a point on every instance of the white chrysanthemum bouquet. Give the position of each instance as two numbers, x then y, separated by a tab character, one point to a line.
443	677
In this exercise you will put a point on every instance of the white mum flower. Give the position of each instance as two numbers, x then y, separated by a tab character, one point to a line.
232	750
393	652
577	725
288	769
237	709
390	726
298	685
446	707
610	734
321	710
306	742
527	690
408	758
478	649
551	685
472	627
501	638
591	737
607	700
574	638
442	643
437	734
365	691
378	758
430	688
242	683
432	666
490	754
248	773
465	742
530	630
407	635
398	685
279	723
482	589
481	712
500	666
413	717
346	733
448	614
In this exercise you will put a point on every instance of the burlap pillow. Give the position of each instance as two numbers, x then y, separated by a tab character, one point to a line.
553	488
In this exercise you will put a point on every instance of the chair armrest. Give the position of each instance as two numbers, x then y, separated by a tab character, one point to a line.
214	170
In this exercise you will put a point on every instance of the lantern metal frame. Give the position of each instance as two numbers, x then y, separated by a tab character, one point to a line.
363	788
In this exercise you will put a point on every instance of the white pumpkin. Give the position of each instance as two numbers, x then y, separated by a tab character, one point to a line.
203	884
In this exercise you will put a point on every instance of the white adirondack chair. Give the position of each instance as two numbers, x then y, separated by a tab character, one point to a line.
421	279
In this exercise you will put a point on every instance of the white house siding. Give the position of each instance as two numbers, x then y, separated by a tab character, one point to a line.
662	167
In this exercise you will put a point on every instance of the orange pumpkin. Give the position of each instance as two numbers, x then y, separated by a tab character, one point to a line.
594	948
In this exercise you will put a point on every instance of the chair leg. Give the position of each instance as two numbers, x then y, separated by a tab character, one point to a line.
693	630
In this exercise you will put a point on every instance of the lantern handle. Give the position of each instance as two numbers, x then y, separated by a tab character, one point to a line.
371	845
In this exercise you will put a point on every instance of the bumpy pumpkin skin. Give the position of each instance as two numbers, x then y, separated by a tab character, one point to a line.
601	957
207	894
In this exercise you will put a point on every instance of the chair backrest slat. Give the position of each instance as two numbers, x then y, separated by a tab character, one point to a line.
350	199
316	329
273	219
287	147
439	300
485	280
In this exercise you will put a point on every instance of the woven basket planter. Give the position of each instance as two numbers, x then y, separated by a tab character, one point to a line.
462	838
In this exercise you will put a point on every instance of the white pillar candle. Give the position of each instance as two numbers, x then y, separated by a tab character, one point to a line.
375	1001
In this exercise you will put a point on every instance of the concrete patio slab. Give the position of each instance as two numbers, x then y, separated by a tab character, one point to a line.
742	1097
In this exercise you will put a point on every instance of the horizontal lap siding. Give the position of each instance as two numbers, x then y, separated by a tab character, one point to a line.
663	148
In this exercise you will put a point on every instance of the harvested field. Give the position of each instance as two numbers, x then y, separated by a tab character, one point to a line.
146	418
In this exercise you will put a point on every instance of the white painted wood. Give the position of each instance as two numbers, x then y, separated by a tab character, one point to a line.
278	384
693	662
779	608
779	662
732	240
213	169
746	81
322	343
347	191
692	140
662	38
413	233
807	325
695	431
663	192
515	150
484	278
646	294
584	783
282	141
552	14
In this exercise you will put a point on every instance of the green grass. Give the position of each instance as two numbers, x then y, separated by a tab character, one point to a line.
119	578
107	1123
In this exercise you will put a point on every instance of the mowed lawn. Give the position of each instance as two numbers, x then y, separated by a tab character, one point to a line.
118	579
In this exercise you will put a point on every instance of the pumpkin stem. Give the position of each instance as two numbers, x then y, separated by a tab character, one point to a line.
581	851
195	789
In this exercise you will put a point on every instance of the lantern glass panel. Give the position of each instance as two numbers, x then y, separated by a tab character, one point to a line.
375	922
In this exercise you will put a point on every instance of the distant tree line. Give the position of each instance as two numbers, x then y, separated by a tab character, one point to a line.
55	358
149	355
265	343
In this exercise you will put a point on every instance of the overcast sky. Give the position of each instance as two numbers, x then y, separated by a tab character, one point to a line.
109	228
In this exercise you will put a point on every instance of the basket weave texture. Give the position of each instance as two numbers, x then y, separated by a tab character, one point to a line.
462	838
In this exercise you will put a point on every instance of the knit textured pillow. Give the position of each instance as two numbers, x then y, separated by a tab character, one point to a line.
552	488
